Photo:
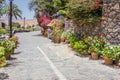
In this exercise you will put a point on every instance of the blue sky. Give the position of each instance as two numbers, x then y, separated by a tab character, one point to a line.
23	5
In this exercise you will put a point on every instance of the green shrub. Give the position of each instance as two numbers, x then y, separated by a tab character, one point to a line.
73	38
97	44
80	47
2	57
2	31
14	39
111	52
9	47
85	11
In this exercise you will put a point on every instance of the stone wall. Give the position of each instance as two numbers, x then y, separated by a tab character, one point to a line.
111	25
89	30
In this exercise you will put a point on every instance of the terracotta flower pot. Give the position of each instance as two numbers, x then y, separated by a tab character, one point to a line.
86	53
95	56
62	40
67	41
108	61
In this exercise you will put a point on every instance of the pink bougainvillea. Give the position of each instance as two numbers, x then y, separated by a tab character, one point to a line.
44	21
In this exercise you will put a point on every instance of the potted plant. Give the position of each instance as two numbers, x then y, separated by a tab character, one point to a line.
94	52
63	36
80	47
2	57
110	54
87	40
15	40
2	31
73	38
97	45
9	47
117	61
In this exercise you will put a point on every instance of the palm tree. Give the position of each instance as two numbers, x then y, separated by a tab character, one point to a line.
16	11
1	7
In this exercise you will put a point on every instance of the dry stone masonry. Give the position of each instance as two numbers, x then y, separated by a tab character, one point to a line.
111	25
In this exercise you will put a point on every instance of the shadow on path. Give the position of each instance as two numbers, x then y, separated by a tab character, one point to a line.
17	53
37	35
9	64
4	76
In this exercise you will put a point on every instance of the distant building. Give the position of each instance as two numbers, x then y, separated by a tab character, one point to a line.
2	23
26	23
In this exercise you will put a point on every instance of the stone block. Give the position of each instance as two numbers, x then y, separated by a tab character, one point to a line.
108	36
117	6
110	30
111	25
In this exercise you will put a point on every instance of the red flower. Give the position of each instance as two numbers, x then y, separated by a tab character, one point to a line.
95	6
102	35
97	3
82	3
102	5
101	41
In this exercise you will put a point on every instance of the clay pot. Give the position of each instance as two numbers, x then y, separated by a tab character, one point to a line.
95	56
108	61
62	40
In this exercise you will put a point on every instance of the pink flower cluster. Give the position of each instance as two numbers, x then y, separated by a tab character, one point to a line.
44	21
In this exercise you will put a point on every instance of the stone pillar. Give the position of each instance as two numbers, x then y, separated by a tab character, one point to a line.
111	25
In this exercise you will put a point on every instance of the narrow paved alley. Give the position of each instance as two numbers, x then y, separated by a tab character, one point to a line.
38	58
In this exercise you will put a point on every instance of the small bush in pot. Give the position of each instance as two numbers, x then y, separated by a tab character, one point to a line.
2	57
9	47
97	45
73	38
110	54
80	47
63	36
15	39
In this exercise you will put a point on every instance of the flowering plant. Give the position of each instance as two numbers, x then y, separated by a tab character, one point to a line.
97	44
2	57
85	11
111	52
80	47
73	38
15	39
88	40
8	45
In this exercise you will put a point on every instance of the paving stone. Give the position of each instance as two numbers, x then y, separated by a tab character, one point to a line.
32	65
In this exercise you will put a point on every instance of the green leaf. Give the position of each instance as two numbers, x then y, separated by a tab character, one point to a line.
3	62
